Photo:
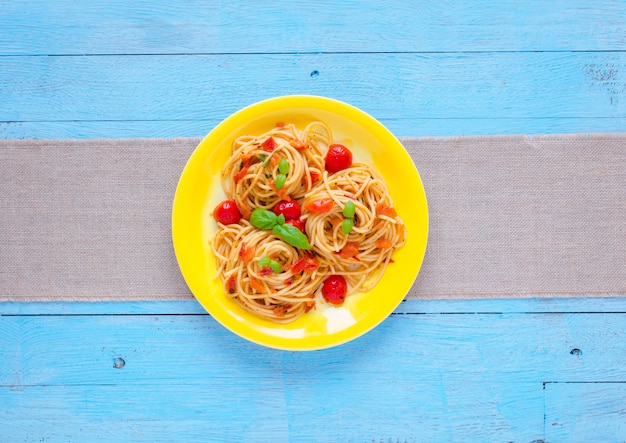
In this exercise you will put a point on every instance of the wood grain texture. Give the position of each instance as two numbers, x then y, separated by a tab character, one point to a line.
468	370
108	93
161	27
486	343
184	375
585	411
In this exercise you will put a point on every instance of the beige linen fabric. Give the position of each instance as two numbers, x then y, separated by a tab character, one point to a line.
510	216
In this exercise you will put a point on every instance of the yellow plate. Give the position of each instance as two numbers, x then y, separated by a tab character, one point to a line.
199	190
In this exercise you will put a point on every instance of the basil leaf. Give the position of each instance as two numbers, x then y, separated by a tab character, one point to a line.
276	267
281	219
263	219
280	180
346	225
292	235
349	209
276	230
283	166
264	262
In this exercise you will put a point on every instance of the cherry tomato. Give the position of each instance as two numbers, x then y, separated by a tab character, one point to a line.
334	289
227	212
320	206
337	158
290	209
300	223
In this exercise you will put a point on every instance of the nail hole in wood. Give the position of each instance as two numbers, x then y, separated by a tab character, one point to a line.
315	74
576	351
119	363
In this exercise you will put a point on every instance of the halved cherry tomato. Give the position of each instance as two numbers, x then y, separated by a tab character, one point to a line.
246	254
227	212
383	243
290	209
314	176
230	285
385	210
241	174
334	289
320	206
246	212
281	193
298	266
256	285
269	144
245	165
337	158
298	144
312	263
307	263
351	249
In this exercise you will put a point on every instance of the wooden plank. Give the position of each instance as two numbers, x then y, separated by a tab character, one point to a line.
407	408
225	410
531	348
147	27
407	91
146	413
445	377
586	412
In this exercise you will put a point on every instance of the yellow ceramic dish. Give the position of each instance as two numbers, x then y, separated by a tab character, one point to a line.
199	191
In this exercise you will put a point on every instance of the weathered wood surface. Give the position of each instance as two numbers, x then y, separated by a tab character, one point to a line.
413	94
547	370
419	376
39	27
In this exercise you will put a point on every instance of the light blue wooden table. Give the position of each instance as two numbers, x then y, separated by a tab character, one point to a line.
551	370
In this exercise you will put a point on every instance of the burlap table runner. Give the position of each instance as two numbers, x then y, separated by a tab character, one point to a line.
510	216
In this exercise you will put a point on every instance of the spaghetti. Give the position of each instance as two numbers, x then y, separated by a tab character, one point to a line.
363	254
278	262
249	176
